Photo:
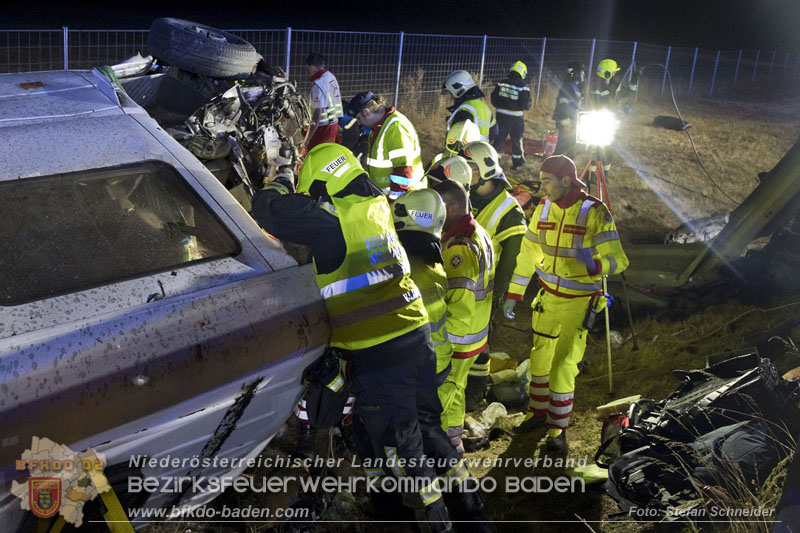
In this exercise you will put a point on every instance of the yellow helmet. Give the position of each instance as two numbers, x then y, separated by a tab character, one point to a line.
331	164
520	68
453	168
607	68
484	156
461	134
420	210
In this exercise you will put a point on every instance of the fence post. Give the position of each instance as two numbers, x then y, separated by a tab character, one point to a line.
666	69
288	48
691	76
755	67
771	64
590	70
736	72
541	67
633	55
483	60
399	64
65	36
714	76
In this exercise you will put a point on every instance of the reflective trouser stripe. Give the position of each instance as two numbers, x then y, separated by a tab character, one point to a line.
560	409
393	462
430	493
538	390
480	369
374	473
370	311
300	411
336	384
454	433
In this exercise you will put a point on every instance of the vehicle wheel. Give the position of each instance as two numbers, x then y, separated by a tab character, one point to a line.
200	49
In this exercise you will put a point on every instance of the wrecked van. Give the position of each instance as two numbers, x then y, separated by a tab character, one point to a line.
143	313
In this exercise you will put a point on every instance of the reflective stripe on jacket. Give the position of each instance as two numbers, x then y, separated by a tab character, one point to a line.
469	264
327	91
370	297
432	283
481	115
395	145
493	213
551	243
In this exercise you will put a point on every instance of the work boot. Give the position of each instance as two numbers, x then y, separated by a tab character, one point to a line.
557	444
305	440
531	424
475	392
348	439
518	163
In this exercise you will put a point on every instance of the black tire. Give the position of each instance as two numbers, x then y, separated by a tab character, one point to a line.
200	49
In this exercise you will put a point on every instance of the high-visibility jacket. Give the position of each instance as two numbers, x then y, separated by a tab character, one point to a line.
469	264
395	145
326	97
568	102
556	232
502	208
479	113
370	297
432	283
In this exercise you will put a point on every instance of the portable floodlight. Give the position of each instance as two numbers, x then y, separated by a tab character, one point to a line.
596	128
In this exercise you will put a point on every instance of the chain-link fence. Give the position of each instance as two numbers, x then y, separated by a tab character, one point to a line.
411	67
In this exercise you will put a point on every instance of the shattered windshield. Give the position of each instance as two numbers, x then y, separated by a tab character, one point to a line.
70	232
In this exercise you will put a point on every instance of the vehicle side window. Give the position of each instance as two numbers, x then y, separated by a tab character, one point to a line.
71	232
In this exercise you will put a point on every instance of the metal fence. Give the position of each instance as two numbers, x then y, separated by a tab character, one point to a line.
411	67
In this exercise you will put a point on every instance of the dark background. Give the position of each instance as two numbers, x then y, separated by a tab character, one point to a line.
731	24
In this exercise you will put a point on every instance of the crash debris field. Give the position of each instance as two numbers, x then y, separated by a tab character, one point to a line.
655	185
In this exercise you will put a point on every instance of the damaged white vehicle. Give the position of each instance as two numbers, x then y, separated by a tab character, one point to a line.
142	311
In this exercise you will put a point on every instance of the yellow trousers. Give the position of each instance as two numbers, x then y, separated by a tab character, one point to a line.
451	394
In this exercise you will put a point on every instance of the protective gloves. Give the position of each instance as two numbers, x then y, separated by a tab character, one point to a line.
508	308
585	256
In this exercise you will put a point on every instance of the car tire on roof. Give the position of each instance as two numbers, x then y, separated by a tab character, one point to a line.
200	49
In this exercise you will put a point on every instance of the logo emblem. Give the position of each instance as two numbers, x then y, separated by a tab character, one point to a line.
44	494
455	261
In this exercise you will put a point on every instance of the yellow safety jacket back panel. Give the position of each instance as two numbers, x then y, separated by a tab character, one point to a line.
551	244
493	214
370	298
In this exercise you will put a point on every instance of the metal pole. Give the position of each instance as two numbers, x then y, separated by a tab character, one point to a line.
65	36
633	55
288	48
483	61
399	64
736	72
771	64
590	69
666	69
691	76
714	76
608	341
755	66
541	67
633	65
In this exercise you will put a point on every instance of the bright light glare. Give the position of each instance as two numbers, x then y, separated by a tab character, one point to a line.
596	128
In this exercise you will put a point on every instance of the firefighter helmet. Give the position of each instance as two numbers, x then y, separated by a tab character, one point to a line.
329	164
453	168
520	68
458	83
420	210
607	68
461	134
484	156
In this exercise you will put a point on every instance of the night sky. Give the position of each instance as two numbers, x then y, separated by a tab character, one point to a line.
730	24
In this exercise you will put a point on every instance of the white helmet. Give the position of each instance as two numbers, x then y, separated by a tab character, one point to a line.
458	82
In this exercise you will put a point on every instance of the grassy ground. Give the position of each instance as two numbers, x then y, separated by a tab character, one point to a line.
655	184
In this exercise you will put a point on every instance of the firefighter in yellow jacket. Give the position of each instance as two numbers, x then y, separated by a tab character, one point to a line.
469	264
571	242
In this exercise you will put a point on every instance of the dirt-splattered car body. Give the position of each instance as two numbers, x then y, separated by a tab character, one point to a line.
142	311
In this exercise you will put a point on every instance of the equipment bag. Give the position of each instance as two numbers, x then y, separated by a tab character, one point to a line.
327	389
